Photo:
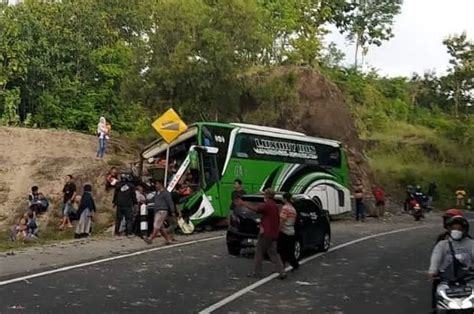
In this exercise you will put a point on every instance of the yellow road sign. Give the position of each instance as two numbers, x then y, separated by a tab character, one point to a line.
169	126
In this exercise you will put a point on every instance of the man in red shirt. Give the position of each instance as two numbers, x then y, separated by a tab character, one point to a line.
268	235
379	195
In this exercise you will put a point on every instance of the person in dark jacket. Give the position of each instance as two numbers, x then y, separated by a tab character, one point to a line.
85	212
69	192
124	200
359	200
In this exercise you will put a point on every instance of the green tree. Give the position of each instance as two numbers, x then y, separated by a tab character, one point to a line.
297	27
460	78
197	57
370	23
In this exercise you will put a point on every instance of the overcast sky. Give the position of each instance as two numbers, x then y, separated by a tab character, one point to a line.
419	31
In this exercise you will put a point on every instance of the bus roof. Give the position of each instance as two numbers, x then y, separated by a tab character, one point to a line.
158	146
265	130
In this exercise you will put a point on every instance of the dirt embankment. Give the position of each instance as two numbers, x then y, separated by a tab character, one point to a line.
44	157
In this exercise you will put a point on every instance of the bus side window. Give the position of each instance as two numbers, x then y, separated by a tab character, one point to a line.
340	196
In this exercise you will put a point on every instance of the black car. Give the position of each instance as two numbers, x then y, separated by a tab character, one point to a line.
313	231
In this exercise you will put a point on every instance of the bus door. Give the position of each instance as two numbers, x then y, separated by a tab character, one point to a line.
210	178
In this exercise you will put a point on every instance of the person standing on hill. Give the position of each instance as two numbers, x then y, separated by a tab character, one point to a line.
359	200
102	134
124	200
69	195
85	212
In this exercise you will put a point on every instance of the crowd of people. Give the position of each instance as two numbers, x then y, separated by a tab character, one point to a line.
161	207
74	207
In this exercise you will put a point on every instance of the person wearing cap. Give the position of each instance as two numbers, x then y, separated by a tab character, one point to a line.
268	235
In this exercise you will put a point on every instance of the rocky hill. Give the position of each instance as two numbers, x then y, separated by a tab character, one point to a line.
308	102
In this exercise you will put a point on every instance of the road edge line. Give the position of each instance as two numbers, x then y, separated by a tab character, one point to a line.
263	281
107	259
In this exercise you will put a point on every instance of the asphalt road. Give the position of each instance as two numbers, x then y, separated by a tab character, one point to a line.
383	275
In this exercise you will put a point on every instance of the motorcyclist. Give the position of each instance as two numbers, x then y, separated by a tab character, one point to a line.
417	212
419	196
458	245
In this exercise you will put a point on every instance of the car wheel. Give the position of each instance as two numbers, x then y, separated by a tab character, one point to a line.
233	249
325	241
297	250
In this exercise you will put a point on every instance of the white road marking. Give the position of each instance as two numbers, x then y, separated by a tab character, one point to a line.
108	259
263	281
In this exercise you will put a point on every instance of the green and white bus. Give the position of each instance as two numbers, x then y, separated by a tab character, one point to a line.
211	156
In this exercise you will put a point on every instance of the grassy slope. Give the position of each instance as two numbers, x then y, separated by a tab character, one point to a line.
407	154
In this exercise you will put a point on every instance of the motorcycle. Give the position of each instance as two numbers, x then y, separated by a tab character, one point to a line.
417	212
455	294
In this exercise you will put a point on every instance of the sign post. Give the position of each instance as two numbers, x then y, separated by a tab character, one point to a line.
169	126
167	165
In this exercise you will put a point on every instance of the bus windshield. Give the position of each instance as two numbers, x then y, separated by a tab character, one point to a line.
155	157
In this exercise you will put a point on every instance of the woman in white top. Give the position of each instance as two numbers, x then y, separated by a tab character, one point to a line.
287	238
102	135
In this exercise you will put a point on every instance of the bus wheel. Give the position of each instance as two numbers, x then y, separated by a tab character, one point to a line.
233	249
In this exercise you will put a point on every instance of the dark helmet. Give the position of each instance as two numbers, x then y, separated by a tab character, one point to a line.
459	220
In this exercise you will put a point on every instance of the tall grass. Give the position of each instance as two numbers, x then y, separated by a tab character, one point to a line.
408	154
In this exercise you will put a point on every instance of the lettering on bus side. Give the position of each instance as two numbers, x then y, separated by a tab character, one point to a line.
284	149
251	146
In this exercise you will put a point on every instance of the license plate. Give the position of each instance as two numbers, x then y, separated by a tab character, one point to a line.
459	292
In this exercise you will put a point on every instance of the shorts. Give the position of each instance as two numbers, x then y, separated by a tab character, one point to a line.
67	209
160	217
